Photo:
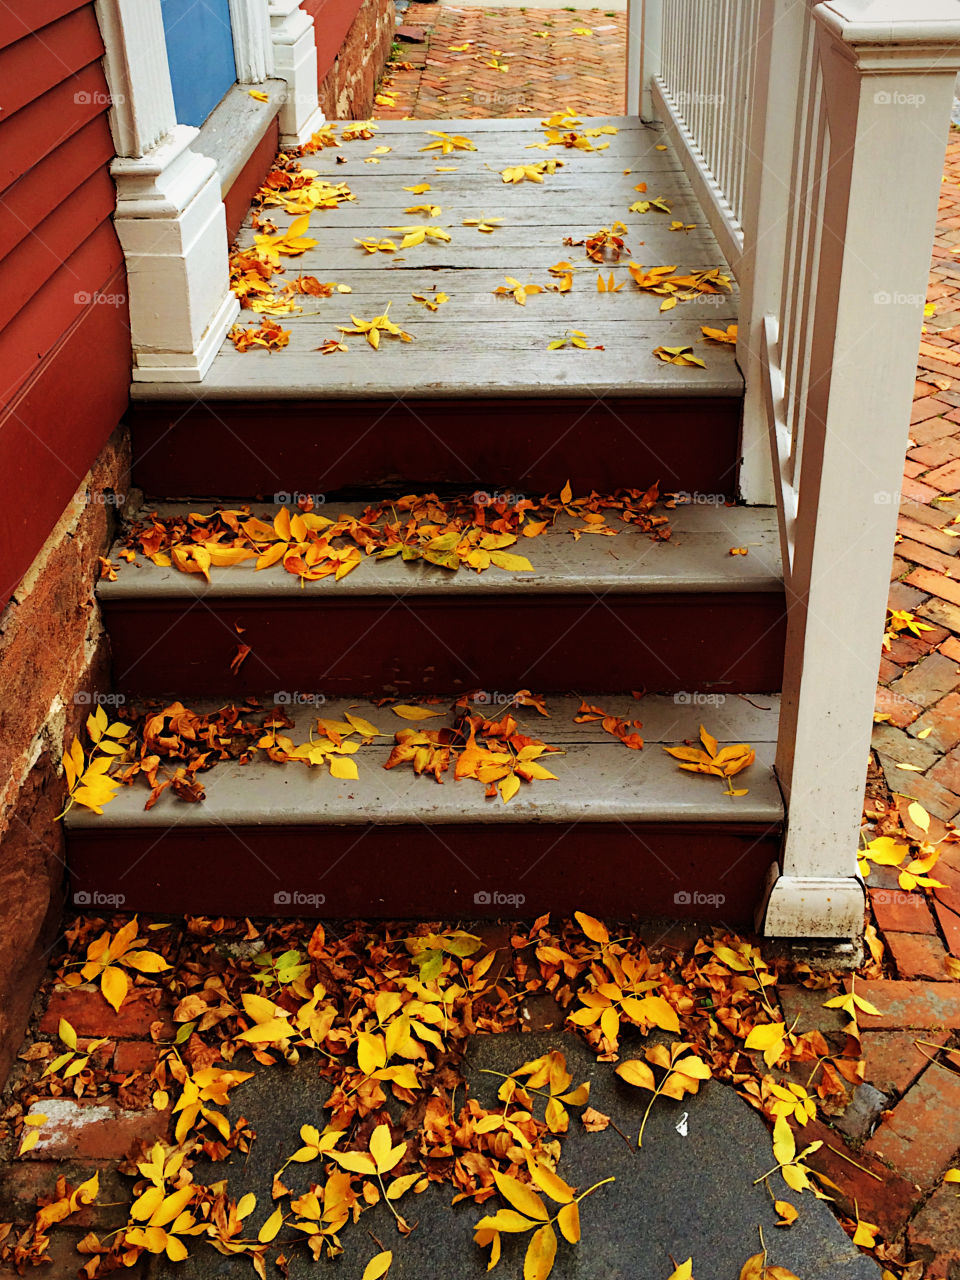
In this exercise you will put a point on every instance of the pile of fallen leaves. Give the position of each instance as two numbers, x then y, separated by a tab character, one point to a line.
467	531
387	1017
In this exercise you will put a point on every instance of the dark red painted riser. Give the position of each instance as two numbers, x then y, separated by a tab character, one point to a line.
732	643
425	872
237	450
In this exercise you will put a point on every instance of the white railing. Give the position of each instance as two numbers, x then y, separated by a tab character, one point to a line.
814	136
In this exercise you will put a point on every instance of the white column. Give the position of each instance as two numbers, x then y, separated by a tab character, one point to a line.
170	218
888	83
252	40
295	60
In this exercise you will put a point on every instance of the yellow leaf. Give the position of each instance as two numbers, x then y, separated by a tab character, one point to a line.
246	1205
267	1032
406	712
258	95
594	930
787	1213
952	1175
541	1252
636	1073
509	787
343	768
363	726
568	1220
685	1269
378	1266
67	1034
516	564
29	1141
521	1196
114	985
270	1228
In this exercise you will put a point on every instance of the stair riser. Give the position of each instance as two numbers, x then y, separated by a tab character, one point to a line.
728	643
243	450
681	871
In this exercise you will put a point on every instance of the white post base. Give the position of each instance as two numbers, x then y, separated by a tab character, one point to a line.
811	907
172	225
295	60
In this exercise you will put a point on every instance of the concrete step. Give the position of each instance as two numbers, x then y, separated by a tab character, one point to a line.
620	831
607	613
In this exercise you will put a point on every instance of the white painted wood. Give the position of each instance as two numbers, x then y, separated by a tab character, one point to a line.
295	60
644	34
252	40
887	91
171	224
137	72
170	219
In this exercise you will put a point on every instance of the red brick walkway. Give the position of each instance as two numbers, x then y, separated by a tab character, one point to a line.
514	61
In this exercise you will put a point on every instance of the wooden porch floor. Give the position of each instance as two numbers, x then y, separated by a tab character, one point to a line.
478	344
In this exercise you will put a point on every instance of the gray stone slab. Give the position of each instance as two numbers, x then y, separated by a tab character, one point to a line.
600	782
690	1192
696	558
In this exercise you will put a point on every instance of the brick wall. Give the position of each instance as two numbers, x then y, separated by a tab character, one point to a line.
51	648
346	91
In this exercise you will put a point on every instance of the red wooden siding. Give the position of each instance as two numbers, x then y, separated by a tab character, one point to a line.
64	326
331	21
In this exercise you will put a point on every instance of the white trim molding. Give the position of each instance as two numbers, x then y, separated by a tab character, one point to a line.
295	60
252	40
170	217
810	906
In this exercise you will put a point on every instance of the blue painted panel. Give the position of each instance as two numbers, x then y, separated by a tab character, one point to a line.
200	50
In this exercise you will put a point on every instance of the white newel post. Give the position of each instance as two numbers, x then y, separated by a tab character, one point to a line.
295	60
170	218
888	72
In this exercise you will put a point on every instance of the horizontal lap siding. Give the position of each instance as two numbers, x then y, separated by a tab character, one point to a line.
64	325
331	21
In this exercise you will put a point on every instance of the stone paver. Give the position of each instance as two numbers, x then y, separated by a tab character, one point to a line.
476	62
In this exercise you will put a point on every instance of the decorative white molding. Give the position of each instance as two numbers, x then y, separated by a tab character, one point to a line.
138	74
295	60
811	907
252	40
172	225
